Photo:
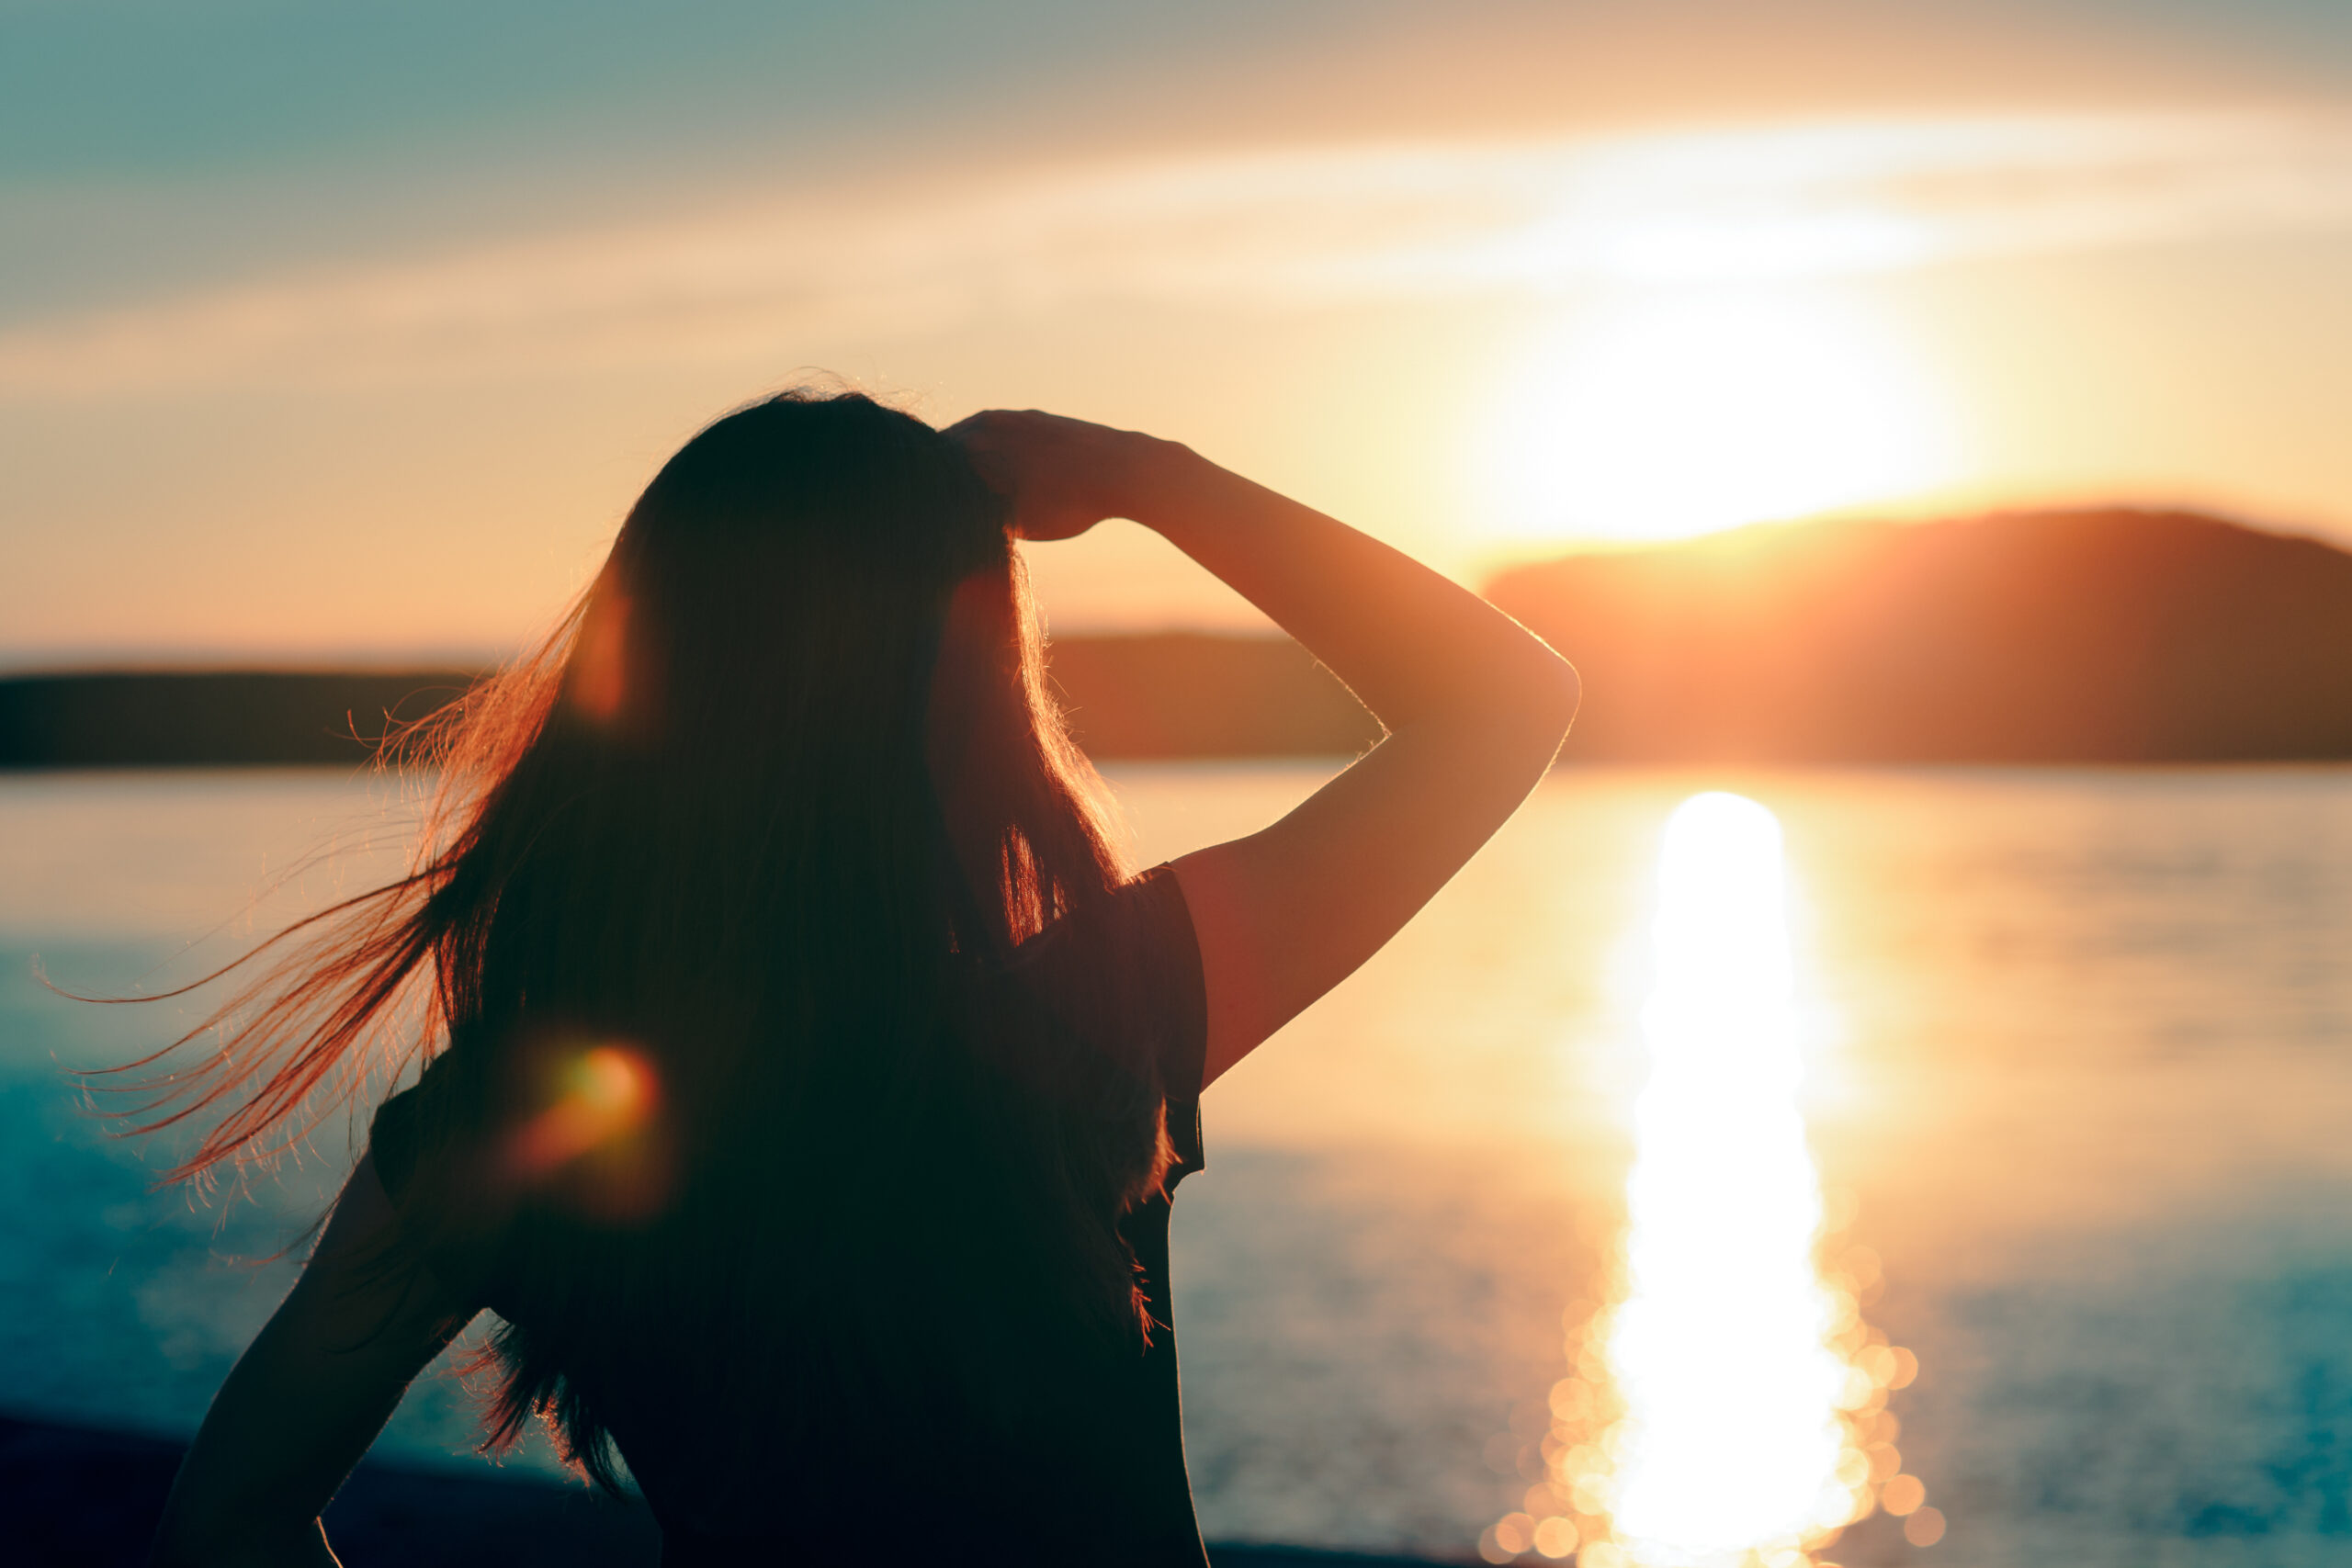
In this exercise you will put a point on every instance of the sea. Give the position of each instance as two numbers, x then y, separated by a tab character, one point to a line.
2076	1073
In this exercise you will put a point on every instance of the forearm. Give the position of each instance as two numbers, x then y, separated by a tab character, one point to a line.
1415	647
306	1397
268	1456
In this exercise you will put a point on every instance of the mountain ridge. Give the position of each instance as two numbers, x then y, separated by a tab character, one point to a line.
2063	635
2082	635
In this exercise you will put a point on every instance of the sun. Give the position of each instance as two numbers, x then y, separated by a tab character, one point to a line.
1667	413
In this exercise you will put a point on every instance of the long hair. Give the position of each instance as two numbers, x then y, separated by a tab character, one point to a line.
712	950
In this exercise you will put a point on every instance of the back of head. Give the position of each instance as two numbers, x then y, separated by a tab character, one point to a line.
791	561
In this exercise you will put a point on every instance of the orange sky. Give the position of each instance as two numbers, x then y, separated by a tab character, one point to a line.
366	370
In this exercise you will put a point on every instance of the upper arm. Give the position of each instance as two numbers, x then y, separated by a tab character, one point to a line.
309	1394
1285	914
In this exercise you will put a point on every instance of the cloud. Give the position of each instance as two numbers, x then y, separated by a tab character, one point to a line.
1288	228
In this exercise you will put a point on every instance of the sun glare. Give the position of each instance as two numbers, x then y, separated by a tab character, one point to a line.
1728	1409
1720	1351
1669	414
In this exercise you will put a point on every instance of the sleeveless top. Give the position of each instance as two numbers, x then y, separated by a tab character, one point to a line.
1102	1482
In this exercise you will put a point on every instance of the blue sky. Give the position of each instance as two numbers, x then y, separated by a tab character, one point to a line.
324	127
301	303
102	89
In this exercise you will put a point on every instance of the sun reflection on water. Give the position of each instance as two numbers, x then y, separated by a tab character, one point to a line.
1728	1406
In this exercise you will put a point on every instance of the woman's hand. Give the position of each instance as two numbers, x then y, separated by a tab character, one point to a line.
1063	476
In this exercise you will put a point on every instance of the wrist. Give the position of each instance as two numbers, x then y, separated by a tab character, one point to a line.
1163	481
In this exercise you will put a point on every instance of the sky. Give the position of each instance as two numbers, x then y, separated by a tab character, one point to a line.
333	332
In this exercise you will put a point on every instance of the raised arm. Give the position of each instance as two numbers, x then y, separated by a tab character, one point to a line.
1475	705
305	1400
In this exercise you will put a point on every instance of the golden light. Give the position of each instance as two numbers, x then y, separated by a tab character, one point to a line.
1728	1406
1671	413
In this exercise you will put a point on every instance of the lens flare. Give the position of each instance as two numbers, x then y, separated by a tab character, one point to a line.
607	1092
600	666
1728	1406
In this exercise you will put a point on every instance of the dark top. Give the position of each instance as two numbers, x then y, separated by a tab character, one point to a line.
1102	1482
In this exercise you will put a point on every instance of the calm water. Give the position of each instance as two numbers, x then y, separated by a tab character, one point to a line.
2076	1067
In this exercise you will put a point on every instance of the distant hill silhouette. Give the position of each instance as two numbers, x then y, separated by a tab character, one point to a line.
211	718
1176	694
1188	694
2054	636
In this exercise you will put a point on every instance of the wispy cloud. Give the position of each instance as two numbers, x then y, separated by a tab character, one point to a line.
1280	228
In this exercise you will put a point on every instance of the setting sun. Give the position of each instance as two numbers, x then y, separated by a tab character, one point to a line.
1669	413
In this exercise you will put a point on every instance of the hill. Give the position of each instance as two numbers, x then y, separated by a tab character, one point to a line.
2102	635
211	718
1175	694
2058	636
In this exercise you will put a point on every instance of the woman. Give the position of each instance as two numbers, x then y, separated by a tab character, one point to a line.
807	1076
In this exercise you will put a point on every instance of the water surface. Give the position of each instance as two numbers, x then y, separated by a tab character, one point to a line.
2074	1069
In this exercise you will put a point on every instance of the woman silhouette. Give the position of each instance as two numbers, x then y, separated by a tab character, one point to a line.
804	1076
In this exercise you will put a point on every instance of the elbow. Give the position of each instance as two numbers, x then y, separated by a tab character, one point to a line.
1542	690
1519	704
1564	692
1526	720
1551	692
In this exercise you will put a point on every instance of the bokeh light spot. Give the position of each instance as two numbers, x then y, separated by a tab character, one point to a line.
1924	1528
